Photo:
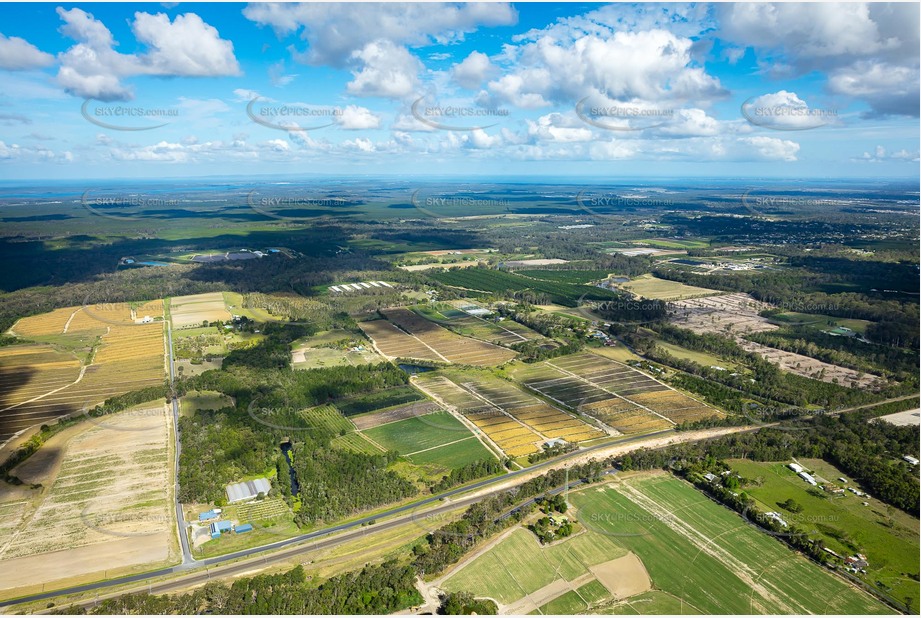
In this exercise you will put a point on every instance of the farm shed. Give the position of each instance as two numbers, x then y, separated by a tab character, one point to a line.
248	490
795	467
219	527
243	528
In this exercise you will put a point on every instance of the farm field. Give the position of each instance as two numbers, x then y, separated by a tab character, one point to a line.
327	418
387	398
455	316
408	335
356	443
192	310
518	569
515	421
648	286
73	513
395	413
615	394
888	537
482	280
710	558
577	277
435	438
312	358
702	358
40	383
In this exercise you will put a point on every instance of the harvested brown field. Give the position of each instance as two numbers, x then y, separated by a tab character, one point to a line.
390	415
106	507
191	311
623	577
38	383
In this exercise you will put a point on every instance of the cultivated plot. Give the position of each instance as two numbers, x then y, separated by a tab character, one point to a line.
105	504
710	558
616	394
435	438
194	309
38	383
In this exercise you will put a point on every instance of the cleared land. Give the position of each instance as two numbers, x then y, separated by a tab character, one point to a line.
736	315
307	357
105	504
192	310
619	396
908	417
648	286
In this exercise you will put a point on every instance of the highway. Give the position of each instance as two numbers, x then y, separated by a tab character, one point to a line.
359	527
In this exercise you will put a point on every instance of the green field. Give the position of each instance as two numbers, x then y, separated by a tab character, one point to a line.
888	537
670	243
192	402
518	565
710	557
707	360
437	438
701	558
356	443
328	418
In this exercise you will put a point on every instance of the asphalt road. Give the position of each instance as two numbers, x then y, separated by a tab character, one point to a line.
359	524
187	559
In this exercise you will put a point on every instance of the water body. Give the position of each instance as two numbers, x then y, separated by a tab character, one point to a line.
414	369
286	451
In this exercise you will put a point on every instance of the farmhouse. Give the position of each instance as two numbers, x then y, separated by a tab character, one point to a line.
712	478
247	490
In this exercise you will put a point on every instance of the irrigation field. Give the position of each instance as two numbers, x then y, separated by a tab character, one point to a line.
39	383
408	335
616	394
514	420
436	438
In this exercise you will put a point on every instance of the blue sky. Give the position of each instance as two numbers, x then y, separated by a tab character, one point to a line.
618	90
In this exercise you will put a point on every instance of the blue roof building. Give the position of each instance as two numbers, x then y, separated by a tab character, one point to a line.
207	515
243	528
219	527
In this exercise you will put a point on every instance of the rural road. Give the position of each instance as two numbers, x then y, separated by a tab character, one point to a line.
402	514
187	559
